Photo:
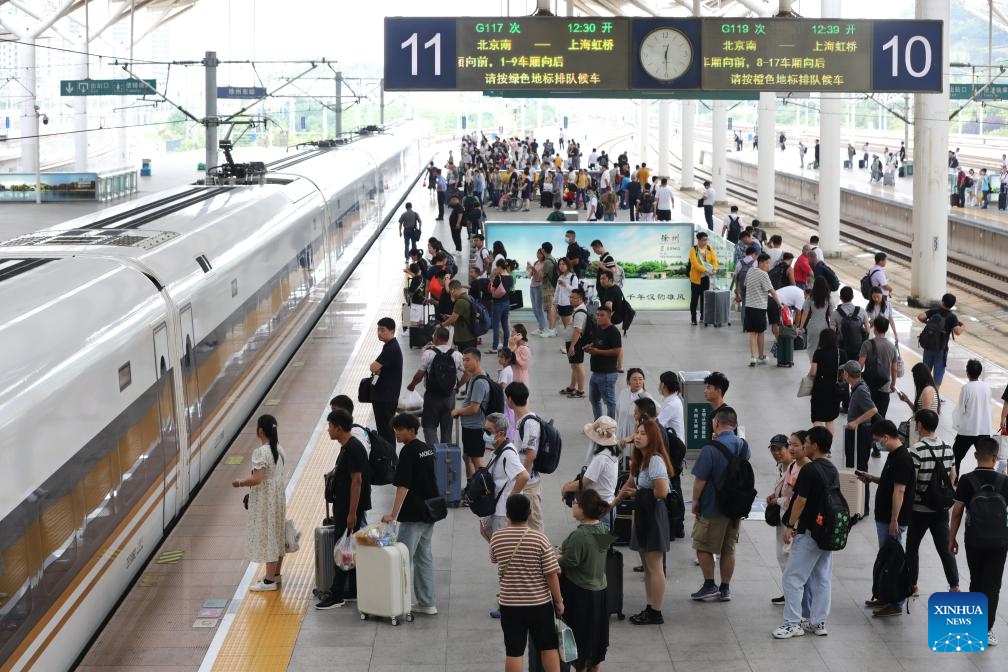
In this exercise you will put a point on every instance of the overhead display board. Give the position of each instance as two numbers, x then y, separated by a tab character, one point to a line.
585	54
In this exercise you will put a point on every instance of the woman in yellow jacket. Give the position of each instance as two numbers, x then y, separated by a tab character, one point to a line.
702	265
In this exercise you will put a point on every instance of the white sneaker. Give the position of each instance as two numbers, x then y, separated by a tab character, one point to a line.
788	631
430	611
805	624
819	629
992	639
262	587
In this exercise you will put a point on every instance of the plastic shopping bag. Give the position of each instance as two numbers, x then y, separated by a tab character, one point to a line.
565	638
410	402
345	551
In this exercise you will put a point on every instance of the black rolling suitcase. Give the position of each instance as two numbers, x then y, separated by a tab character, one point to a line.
954	200
422	335
623	515
785	350
546	199
861	164
614	583
1002	199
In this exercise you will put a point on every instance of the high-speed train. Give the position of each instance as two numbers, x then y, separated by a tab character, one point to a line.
133	345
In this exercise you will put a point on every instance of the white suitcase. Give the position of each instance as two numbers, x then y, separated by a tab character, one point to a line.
854	491
384	582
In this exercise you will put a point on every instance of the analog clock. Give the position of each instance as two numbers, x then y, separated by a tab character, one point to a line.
665	54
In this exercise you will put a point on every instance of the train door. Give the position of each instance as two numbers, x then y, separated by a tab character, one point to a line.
166	454
190	384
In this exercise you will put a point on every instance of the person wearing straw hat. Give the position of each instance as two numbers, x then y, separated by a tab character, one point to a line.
603	469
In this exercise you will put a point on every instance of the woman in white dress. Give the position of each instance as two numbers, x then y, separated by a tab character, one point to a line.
634	390
265	538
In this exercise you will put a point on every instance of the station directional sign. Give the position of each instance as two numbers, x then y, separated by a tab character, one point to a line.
631	55
967	91
106	87
241	92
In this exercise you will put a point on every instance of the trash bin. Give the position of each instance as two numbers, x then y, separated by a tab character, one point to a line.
145	168
698	410
909	168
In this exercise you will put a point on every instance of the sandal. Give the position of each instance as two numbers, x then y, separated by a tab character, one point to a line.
566	390
575	394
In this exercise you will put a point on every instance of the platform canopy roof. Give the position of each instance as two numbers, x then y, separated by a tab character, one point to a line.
35	18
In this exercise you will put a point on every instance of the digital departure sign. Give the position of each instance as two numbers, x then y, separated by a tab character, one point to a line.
529	54
557	55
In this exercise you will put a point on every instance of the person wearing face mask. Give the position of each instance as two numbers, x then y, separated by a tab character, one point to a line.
508	472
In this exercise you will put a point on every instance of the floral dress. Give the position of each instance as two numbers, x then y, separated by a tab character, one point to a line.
265	539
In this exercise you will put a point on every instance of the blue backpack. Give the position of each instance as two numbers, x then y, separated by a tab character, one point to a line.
479	316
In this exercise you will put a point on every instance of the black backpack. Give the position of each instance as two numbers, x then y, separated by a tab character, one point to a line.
442	374
866	284
933	337
890	575
987	514
585	255
778	275
734	228
737	491
588	333
646	202
833	523
852	334
547	457
873	375
495	399
382	460
831	277
939	495
599	210
676	450
481	490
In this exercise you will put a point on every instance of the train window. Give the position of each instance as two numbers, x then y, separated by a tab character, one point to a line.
234	288
204	263
125	376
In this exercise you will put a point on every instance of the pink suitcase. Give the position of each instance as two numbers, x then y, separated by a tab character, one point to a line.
384	582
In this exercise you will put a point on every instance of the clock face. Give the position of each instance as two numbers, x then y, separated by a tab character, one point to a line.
666	54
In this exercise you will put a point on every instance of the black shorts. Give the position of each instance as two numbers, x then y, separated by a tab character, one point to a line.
772	311
755	320
565	311
518	623
472	442
578	357
663	215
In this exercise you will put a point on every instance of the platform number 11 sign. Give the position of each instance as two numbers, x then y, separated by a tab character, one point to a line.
420	54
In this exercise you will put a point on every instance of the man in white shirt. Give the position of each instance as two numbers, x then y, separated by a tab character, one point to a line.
605	181
775	249
671	414
792	296
483	259
506	468
877	274
592	158
437	403
591	204
814	246
528	431
973	412
708	204
666	201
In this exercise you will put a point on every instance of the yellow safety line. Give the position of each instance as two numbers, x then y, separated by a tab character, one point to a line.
266	626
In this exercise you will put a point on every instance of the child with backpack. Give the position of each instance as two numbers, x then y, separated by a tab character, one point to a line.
506	360
983	494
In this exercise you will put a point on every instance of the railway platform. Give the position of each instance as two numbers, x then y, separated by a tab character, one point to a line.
275	631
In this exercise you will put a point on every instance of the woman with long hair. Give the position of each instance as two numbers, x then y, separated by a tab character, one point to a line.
878	306
566	281
825	371
518	344
265	532
649	485
815	314
501	284
925	396
535	273
582	560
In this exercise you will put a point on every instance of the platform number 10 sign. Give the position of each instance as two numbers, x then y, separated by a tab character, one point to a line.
419	54
907	56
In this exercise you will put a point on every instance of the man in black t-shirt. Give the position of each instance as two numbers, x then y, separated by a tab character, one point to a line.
936	360
389	368
415	483
351	497
605	348
611	296
456	220
807	563
986	564
893	498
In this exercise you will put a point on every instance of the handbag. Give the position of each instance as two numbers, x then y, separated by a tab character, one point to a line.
699	202
245	501
805	386
566	644
365	390
436	508
516	299
772	514
292	538
568	497
900	367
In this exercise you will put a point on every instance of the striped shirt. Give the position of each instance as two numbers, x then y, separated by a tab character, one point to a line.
523	578
924	464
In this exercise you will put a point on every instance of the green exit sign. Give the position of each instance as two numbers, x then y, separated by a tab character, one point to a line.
967	91
107	87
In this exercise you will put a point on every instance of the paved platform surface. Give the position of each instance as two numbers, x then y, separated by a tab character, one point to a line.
732	636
